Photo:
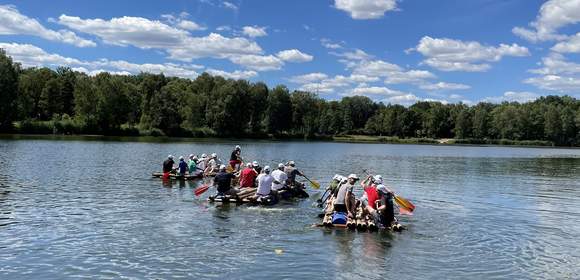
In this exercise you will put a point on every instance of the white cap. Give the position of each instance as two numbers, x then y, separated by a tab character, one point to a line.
249	164
191	155
194	158
170	157
222	167
353	176
203	155
378	179
267	168
213	155
181	158
255	163
291	163
280	165
337	177
238	147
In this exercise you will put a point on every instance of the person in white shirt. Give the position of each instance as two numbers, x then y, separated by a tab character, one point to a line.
280	178
264	183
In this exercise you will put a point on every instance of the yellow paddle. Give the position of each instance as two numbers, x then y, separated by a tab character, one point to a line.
314	184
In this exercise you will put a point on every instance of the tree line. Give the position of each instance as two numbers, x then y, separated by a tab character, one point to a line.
43	100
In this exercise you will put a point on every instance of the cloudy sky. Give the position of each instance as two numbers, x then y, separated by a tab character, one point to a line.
392	51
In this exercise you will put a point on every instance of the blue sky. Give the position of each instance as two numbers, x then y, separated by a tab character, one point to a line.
392	51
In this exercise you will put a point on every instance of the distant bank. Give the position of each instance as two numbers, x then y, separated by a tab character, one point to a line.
338	138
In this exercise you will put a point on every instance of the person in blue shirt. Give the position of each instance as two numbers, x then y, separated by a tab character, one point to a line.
182	166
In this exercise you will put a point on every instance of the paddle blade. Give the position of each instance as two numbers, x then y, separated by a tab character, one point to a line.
404	211
315	184
403	203
201	190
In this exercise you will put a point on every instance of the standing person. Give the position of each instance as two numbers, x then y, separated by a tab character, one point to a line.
345	200
236	158
192	165
248	176
280	178
168	166
265	181
223	181
182	166
371	196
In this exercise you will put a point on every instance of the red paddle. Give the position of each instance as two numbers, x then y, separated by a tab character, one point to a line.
201	190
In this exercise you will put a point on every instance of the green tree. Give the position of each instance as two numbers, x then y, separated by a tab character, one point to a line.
8	90
279	112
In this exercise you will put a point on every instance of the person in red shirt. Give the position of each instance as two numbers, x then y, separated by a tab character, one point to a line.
248	176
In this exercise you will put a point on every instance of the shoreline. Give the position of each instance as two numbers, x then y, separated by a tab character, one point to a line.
366	139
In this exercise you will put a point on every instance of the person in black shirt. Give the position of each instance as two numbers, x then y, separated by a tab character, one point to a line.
168	166
236	158
223	182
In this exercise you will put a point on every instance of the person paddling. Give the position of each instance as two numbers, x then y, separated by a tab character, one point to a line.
345	200
248	176
236	158
280	178
384	204
202	163
213	164
168	166
291	173
182	166
223	181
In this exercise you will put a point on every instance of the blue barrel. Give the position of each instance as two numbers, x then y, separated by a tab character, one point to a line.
339	218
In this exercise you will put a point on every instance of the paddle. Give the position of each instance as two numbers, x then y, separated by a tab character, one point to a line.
201	189
314	184
405	206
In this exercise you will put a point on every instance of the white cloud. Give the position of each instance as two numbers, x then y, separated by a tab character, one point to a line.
223	28
33	56
308	78
294	55
366	9
512	96
553	15
230	6
327	43
555	83
469	56
236	75
408	77
12	22
444	86
254	31
190	25
376	91
393	74
405	99
571	45
557	74
556	64
147	34
258	62
355	55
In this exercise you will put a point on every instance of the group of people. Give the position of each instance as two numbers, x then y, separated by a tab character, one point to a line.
376	200
198	166
269	183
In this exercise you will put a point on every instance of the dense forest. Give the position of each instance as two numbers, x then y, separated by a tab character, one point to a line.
42	100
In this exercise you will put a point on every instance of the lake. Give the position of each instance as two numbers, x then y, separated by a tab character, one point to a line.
77	208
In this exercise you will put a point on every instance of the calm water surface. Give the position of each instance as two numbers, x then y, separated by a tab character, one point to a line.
90	209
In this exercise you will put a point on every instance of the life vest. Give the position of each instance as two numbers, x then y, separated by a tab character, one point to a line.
372	196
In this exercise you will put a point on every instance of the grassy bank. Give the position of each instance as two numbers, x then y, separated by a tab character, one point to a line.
74	127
